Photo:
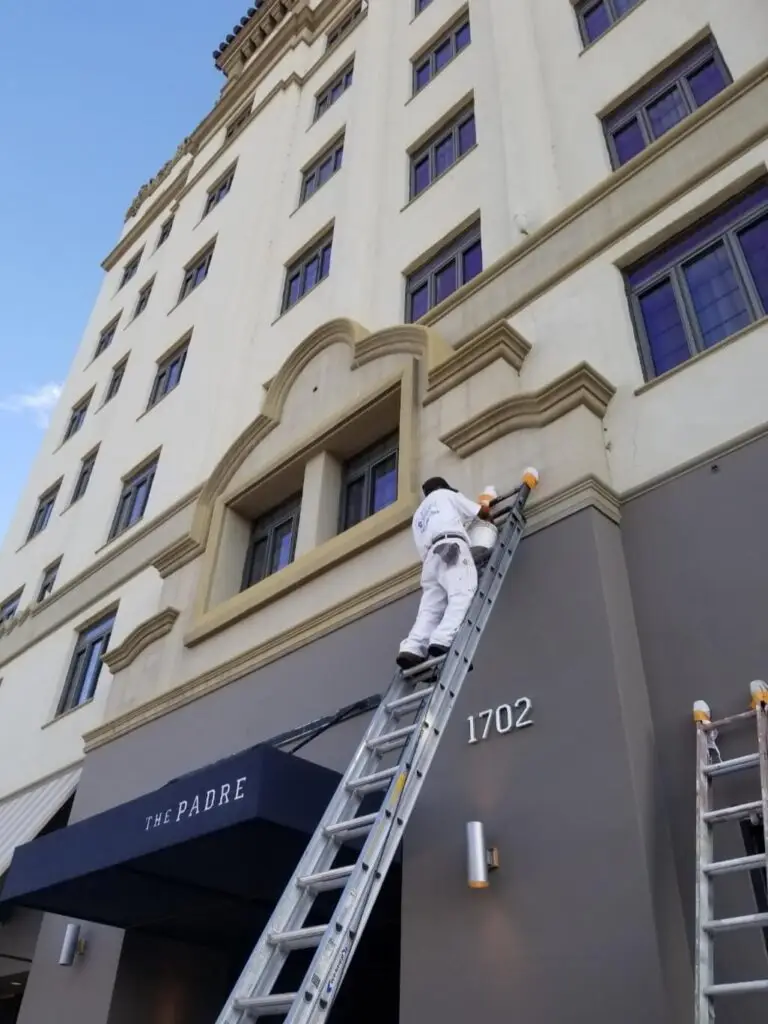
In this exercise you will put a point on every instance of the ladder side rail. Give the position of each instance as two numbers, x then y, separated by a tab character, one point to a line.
762	739
704	1009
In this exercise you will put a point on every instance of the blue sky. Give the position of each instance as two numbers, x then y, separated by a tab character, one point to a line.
96	97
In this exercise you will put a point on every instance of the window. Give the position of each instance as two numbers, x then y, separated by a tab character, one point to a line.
10	606
83	477
168	374
597	16
130	268
429	64
133	499
704	285
307	272
445	147
143	299
332	92
106	337
165	232
118	372
77	417
455	264
272	543
49	580
369	483
238	122
421	5
85	667
338	32
43	511
217	191
322	169
670	98
196	272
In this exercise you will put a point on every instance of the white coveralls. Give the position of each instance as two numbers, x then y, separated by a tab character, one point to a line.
448	575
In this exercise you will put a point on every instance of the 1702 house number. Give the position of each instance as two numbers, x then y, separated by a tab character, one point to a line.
502	719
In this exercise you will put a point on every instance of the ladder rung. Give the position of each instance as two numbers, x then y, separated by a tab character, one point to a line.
301	938
737	811
267	1005
732	924
353	827
424	667
411	701
390	740
736	764
322	881
726	867
735	987
374	782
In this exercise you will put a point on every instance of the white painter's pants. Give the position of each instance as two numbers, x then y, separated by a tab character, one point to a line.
446	593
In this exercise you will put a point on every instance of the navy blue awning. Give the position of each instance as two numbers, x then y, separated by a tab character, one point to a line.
211	850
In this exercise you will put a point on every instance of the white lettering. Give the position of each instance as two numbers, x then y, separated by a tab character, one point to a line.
195	809
210	799
158	820
182	807
503	718
239	794
167	817
224	794
149	824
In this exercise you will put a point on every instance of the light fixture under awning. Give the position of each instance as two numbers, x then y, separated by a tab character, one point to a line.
24	815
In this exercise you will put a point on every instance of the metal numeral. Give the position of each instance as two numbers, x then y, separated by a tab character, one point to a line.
503	718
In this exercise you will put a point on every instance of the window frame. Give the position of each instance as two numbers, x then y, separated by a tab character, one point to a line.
236	125
48	580
117	375
429	54
107	336
673	77
265	527
345	78
219	190
77	415
84	474
419	6
163	234
10	606
90	638
362	465
131	485
716	228
333	152
204	259
131	268
345	26
142	299
164	364
299	266
583	7
453	249
450	127
46	503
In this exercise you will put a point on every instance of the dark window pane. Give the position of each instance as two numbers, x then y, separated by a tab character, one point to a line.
421	175
422	5
443	54
706	82
348	79
720	305
472	261
422	75
622	6
596	21
384	484
338	157
420	301
325	266
444	155
467	136
281	546
354	508
445	281
325	171
664	327
92	670
336	91
293	289
628	141
665	112
754	242
257	568
462	37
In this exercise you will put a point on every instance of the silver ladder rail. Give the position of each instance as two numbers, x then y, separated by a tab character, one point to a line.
710	766
428	692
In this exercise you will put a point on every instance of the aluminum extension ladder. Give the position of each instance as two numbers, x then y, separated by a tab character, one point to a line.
426	693
709	767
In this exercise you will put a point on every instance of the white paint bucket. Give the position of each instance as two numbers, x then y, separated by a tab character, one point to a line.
482	538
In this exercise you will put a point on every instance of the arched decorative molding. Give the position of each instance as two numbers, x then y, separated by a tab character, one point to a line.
139	639
421	343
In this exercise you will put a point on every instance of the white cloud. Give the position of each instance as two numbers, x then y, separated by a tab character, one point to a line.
38	403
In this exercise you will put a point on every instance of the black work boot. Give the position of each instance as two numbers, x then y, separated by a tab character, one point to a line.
407	659
437	650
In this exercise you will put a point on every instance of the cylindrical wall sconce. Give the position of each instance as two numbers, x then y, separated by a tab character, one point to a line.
481	859
71	946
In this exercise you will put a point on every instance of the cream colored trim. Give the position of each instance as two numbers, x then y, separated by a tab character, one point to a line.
580	386
585	493
714	136
140	638
152	212
499	341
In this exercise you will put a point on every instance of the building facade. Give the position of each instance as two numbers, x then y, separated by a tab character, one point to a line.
411	237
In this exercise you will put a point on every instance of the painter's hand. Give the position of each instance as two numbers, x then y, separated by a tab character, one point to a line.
484	513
